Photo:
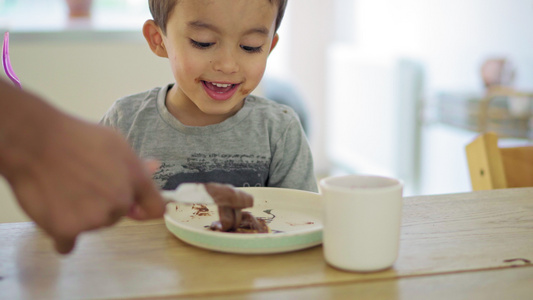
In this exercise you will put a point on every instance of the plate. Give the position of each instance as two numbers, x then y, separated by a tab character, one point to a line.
294	217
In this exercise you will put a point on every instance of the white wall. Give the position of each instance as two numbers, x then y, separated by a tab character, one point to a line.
451	38
84	78
310	32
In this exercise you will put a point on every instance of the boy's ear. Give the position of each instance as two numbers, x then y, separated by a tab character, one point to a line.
153	35
275	40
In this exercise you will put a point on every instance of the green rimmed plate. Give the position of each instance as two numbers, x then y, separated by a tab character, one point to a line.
294	216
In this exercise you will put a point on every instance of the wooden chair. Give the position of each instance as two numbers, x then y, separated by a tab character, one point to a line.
492	167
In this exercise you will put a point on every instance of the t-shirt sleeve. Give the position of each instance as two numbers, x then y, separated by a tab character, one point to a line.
110	117
292	161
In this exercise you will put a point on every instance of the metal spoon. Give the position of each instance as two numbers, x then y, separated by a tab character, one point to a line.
192	193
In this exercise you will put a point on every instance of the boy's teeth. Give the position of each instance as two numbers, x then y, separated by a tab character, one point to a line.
221	85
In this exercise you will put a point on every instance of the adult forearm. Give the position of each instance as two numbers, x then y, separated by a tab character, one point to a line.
23	121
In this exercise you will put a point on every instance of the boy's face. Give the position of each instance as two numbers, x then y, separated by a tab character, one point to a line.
218	51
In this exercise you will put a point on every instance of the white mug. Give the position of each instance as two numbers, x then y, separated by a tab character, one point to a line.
362	220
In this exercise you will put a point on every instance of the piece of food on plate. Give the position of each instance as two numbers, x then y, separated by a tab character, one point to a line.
230	202
248	224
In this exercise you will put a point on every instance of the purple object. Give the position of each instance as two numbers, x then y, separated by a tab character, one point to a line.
7	63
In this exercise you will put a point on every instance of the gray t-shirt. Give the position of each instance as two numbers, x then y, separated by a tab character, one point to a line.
263	144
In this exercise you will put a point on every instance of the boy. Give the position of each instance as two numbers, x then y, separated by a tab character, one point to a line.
206	127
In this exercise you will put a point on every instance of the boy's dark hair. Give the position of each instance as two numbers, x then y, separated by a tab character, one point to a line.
161	9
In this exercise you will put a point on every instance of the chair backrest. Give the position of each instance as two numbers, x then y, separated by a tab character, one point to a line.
492	167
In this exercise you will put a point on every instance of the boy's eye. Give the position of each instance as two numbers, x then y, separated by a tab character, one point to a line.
252	49
200	45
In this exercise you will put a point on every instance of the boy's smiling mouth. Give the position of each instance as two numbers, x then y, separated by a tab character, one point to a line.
219	90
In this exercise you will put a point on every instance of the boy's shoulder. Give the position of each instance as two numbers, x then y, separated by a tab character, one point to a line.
124	110
135	101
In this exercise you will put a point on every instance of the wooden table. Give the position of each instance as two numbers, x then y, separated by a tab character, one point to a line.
459	246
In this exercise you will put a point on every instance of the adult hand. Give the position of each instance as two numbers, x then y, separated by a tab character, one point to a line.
68	175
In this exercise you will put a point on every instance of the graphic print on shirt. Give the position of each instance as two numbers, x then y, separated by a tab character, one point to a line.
239	170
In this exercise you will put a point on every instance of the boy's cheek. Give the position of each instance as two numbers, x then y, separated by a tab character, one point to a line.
187	64
257	69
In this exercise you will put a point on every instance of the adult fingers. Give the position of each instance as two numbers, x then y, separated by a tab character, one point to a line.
38	208
151	165
136	212
148	202
64	245
115	215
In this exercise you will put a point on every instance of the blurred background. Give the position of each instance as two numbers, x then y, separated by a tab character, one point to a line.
384	86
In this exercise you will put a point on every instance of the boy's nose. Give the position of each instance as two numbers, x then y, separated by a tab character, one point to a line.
226	62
